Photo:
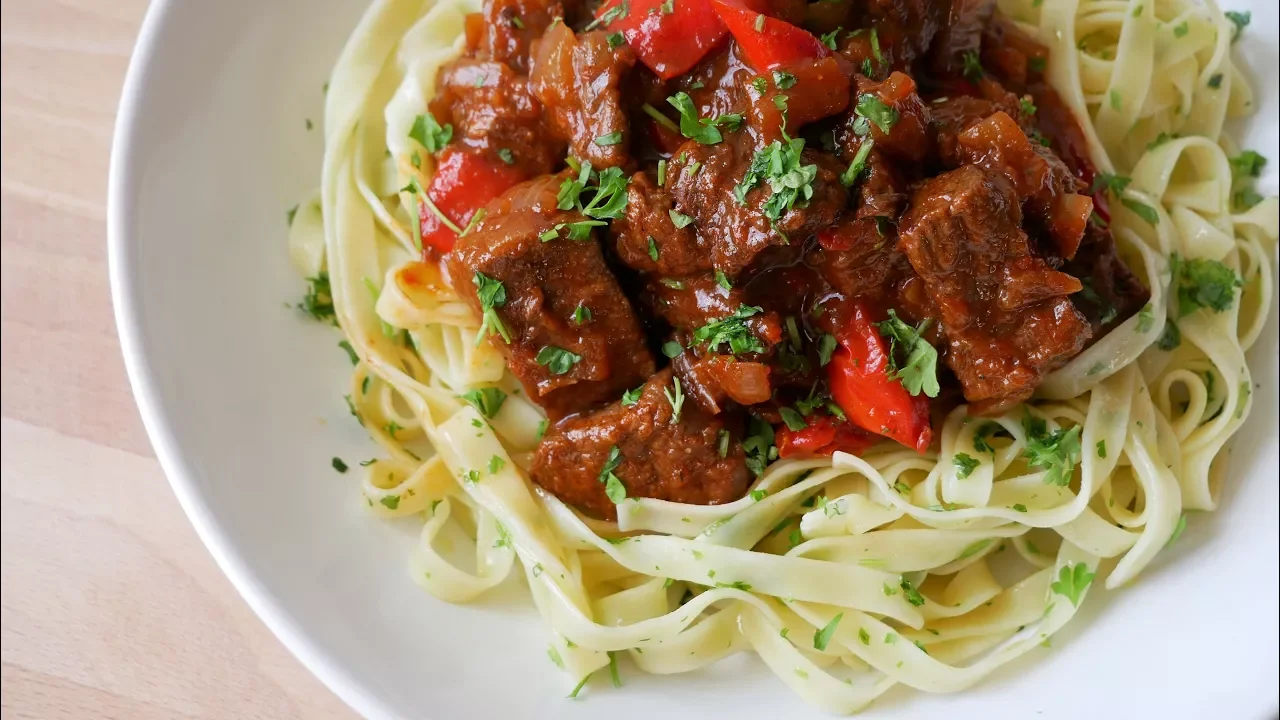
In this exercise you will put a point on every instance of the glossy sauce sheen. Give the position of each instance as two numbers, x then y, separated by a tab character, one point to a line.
970	219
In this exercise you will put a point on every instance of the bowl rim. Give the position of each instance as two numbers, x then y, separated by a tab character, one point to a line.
122	189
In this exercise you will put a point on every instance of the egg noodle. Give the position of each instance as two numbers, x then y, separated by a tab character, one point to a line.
849	574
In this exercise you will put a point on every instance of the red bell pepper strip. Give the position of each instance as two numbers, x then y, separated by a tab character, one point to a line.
768	42
823	436
668	42
860	384
464	182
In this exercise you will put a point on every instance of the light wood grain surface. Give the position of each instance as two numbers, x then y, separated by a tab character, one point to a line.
111	607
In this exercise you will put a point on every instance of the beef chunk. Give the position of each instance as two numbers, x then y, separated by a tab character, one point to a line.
703	178
860	258
646	238
961	34
578	80
494	113
658	455
1006	314
545	282
506	29
1046	186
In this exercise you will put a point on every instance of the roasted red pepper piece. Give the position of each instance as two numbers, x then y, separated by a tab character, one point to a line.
669	43
768	42
823	436
860	384
463	183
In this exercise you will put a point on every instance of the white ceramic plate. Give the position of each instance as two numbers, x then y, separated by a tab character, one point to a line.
243	401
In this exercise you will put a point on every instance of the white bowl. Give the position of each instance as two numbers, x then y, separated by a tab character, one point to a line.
242	398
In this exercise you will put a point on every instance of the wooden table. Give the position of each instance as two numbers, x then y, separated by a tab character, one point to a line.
111	607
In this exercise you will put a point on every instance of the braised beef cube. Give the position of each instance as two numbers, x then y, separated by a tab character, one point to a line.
1111	292
578	79
961	35
1006	314
493	111
575	340
1047	188
706	182
646	238
694	302
689	457
860	258
891	114
507	29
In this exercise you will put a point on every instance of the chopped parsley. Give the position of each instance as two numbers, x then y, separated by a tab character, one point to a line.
783	80
829	39
1146	319
1170	337
1072	581
430	134
792	419
1204	284
781	166
919	370
493	295
972	66
653	249
1057	452
1101	447
822	637
705	132
679	219
616	12
662	174
609	139
672	349
676	399
318	300
581	315
339	465
826	347
1247	164
731	331
390	502
1215	81
631	397
910	592
608	196
758	445
613	487
876	112
1240	20
965	464
558	360
496	463
723	280
542	430
722	446
351	352
488	401
850	176
615	39
1028	107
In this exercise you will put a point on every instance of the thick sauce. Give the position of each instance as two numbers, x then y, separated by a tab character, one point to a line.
792	248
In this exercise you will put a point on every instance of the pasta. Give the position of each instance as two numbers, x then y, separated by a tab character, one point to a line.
845	575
